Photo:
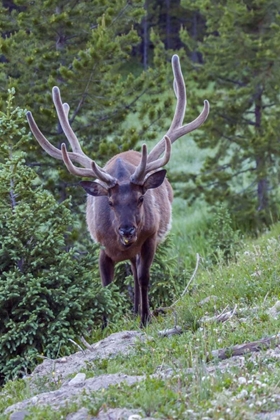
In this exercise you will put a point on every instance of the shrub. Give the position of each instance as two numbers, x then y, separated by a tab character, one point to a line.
48	289
223	241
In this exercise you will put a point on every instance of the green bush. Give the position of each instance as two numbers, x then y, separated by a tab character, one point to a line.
49	291
224	241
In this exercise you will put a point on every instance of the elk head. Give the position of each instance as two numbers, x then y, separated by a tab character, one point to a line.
126	202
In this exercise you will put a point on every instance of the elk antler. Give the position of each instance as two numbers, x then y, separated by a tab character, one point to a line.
176	129
138	177
147	164
90	168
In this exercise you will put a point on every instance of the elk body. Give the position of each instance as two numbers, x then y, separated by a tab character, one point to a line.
129	202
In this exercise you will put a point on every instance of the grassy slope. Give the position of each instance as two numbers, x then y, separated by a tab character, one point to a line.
251	283
238	392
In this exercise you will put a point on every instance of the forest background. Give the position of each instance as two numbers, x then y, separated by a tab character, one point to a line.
111	61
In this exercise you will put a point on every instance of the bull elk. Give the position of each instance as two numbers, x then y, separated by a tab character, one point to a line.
129	202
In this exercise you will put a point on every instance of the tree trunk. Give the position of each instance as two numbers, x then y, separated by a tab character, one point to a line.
262	182
146	38
168	25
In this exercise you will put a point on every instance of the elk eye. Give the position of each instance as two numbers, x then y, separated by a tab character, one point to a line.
111	203
141	199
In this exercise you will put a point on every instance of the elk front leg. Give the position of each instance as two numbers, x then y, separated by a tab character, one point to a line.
136	285
106	268
143	271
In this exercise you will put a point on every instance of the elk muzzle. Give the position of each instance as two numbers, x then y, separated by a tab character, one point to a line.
127	235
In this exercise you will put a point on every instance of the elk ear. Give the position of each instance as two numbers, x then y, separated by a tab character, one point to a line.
94	188
154	180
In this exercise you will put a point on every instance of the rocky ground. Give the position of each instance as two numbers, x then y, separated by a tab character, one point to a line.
61	369
71	383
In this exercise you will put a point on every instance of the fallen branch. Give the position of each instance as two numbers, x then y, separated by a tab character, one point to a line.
76	344
85	343
170	331
241	349
222	317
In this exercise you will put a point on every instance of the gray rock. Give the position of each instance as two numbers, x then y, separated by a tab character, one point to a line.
275	415
66	393
78	380
82	414
117	414
110	414
57	372
274	312
19	415
121	342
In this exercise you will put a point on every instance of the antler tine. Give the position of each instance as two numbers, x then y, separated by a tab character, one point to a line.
44	143
196	123
103	175
47	146
156	164
180	93
176	129
143	168
66	109
74	170
90	168
95	170
62	113
138	176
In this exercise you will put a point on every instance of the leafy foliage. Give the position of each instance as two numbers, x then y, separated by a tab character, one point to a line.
166	279
48	291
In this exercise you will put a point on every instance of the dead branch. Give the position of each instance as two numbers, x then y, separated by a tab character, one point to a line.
170	331
166	309
76	344
85	343
191	279
241	349
222	317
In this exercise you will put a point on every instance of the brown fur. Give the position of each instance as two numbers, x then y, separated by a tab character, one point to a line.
152	225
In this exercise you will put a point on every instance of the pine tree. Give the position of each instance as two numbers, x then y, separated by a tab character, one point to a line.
240	73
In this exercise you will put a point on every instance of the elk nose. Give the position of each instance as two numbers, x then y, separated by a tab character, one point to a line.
127	231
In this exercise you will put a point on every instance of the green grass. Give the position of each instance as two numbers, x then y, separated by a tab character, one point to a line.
200	386
189	228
